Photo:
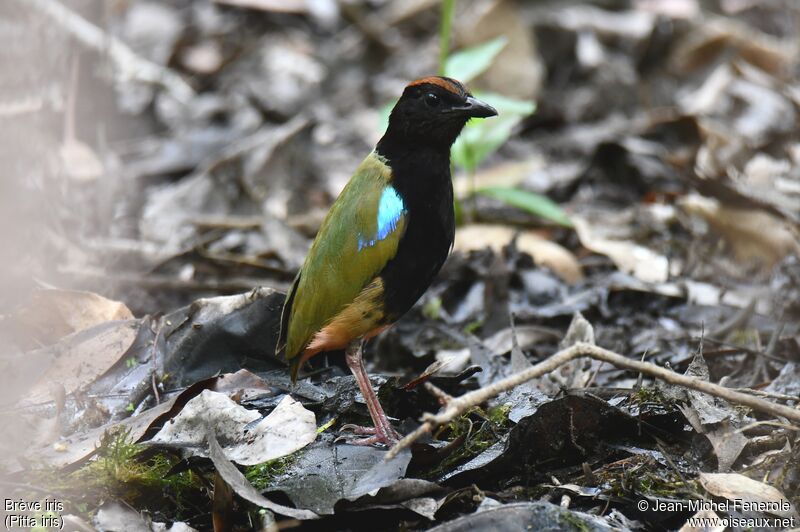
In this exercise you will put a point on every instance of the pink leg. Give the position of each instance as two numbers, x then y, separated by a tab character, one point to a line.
383	431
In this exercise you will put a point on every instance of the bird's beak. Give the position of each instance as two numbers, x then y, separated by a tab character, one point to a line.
475	108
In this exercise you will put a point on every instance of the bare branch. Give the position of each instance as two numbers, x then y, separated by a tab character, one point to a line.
459	405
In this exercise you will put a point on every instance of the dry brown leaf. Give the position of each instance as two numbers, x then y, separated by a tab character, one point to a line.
396	12
700	48
549	254
51	314
517	71
754	236
736	487
629	257
81	358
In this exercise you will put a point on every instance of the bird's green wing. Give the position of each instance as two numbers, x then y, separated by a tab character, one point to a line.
360	234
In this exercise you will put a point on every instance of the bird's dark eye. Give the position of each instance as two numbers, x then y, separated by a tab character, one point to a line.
431	100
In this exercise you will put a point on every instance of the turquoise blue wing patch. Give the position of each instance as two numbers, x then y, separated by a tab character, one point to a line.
390	209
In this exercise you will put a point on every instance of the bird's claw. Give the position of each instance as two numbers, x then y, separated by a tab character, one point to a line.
358	429
386	438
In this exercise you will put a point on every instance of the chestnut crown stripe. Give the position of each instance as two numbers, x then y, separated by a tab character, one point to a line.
445	83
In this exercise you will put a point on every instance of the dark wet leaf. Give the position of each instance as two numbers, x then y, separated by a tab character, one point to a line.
526	516
326	473
419	496
222	334
237	481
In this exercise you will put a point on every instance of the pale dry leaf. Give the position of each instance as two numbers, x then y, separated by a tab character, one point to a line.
528	336
396	12
50	314
79	161
288	428
736	487
754	236
675	9
721	35
704	516
204	58
454	360
577	373
279	6
79	446
544	252
629	257
117	516
634	25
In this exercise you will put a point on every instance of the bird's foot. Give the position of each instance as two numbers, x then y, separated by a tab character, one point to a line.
386	437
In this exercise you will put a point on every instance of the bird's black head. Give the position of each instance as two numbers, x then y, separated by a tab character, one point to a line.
432	111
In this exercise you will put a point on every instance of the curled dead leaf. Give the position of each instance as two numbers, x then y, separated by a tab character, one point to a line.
629	257
249	441
80	358
755	236
742	489
549	254
50	314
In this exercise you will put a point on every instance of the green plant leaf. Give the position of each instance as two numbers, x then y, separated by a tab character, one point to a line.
445	29
383	115
528	201
469	63
481	138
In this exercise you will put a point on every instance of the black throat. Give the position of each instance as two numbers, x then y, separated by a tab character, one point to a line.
419	170
421	175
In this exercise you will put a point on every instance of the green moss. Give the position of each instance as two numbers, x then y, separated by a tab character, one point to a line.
126	471
644	477
473	326
432	308
576	522
744	337
648	395
262	475
479	429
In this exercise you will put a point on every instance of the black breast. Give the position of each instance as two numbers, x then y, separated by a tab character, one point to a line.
423	181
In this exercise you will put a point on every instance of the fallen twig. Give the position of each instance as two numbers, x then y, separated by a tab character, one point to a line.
771	395
461	404
129	65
